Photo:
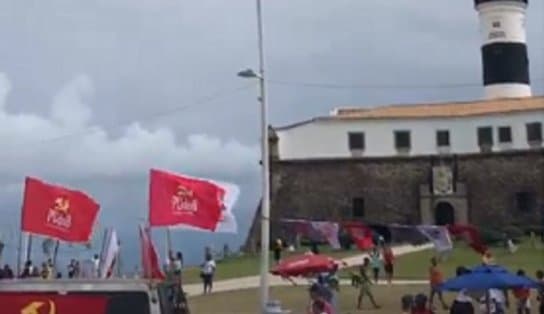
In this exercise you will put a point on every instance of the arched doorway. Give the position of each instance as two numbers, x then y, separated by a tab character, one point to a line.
444	214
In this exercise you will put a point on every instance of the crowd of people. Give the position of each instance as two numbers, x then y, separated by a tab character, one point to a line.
47	270
323	292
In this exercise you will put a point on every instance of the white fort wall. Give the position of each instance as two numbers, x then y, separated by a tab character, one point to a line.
329	138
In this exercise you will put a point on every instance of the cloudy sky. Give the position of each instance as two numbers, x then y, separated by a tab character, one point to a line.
93	93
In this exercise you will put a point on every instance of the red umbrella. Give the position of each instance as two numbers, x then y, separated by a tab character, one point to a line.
305	265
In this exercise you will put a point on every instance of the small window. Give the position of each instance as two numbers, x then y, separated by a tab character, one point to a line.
505	134
496	24
356	140
443	138
534	132
402	140
358	209
525	201
485	136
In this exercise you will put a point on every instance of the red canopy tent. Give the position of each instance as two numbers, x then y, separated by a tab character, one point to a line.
305	265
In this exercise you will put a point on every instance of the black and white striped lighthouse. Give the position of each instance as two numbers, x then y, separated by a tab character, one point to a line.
504	52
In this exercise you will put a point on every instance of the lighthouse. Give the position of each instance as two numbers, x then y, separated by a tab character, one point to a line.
504	50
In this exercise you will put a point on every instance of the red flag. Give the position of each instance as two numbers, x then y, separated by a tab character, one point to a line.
34	302
176	199
361	235
150	258
471	235
57	212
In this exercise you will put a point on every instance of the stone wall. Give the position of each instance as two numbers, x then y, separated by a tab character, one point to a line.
324	189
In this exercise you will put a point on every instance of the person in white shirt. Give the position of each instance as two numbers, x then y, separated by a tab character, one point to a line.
96	266
208	270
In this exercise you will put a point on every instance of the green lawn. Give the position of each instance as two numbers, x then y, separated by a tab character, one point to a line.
248	265
410	266
296	300
416	265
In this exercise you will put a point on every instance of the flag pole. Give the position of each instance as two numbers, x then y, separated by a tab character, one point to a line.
28	247
168	243
55	253
20	252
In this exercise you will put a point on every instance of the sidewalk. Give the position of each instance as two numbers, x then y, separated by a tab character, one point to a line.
252	282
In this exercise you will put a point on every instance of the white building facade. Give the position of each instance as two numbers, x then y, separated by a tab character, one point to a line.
416	131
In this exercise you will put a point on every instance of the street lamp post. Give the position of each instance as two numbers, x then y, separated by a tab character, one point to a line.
265	204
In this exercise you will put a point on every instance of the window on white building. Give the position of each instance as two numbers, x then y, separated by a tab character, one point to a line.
356	140
358	208
402	140
485	136
443	138
534	132
505	134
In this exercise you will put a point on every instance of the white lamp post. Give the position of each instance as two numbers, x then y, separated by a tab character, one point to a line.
265	205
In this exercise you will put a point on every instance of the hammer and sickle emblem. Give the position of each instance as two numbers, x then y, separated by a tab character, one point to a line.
62	204
34	307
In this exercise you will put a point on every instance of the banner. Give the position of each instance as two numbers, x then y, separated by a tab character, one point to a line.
38	303
58	212
471	235
177	199
362	235
438	235
329	230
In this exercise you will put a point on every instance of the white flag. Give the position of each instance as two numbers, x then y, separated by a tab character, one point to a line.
438	235
228	223
110	253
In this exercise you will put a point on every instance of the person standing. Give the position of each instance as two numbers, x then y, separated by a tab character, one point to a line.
96	266
436	278
522	295
7	273
388	259
278	247
208	271
318	302
364	285
375	263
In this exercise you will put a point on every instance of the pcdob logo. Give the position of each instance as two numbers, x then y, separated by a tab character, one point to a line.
59	214
35	308
184	200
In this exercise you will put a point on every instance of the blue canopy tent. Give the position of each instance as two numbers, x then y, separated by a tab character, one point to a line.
487	277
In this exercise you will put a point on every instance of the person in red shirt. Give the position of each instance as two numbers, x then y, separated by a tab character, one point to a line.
436	278
388	260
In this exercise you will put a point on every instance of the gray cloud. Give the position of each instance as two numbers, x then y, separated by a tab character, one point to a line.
144	57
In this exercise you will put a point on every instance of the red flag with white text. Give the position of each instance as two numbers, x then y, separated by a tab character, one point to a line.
150	259
57	212
176	199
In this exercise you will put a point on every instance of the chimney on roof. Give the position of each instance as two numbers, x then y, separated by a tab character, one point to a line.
504	52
